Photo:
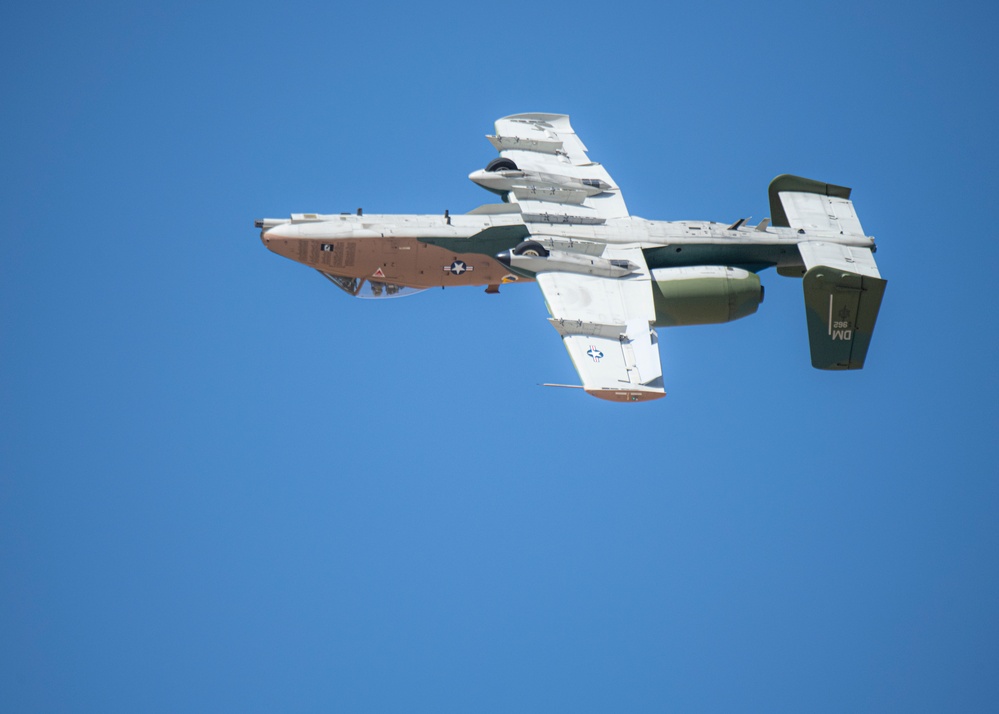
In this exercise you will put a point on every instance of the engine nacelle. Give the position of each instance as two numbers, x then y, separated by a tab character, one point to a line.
704	295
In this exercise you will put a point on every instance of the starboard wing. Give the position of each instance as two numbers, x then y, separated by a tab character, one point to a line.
606	326
560	183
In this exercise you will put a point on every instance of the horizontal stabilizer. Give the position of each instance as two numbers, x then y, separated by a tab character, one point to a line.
807	206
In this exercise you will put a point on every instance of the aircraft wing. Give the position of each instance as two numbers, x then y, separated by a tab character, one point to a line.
605	324
560	183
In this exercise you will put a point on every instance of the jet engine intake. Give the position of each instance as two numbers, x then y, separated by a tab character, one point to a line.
704	295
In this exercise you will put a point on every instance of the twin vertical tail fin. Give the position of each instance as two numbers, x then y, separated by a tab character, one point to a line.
843	288
841	308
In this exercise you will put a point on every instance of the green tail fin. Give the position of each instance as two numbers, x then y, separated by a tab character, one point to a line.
842	308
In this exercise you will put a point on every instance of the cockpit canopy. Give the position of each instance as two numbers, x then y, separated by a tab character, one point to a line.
367	288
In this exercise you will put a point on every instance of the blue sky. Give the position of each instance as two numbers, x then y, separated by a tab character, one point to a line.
226	486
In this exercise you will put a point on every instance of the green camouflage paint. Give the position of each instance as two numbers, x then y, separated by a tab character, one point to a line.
841	309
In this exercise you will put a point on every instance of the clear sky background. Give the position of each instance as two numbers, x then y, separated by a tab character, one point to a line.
227	486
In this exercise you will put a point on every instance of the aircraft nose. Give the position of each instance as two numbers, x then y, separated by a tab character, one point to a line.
266	224
277	236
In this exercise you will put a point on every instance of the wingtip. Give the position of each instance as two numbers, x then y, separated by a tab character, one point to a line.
627	395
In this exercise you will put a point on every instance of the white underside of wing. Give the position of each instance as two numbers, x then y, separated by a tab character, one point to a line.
547	144
605	324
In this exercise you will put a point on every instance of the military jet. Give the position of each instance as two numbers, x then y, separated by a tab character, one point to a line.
608	278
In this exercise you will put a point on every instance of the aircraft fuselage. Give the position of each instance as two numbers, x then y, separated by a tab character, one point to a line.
425	251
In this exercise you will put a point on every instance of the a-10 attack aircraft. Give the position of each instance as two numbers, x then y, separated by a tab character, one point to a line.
609	278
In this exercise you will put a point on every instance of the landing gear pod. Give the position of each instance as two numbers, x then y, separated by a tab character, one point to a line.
704	295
